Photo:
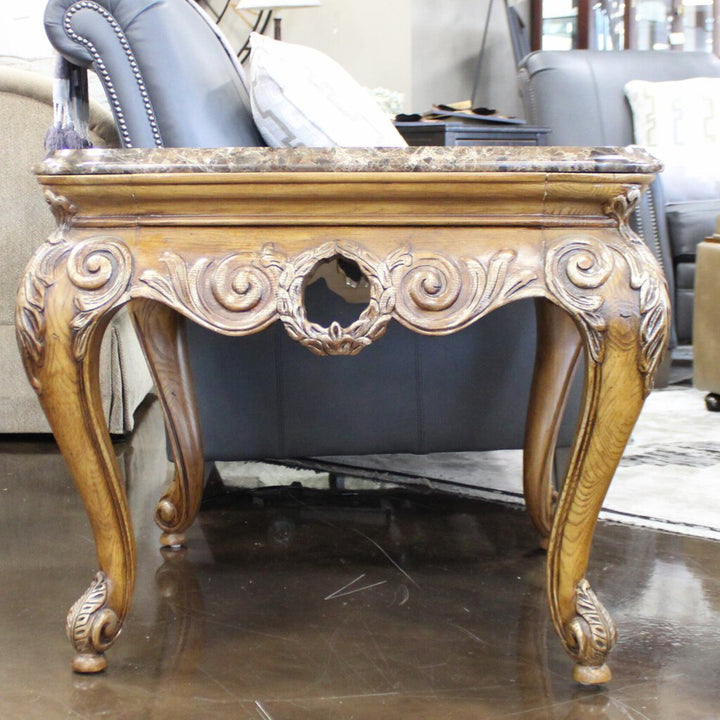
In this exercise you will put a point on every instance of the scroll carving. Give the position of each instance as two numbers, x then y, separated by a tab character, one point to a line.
592	630
167	513
92	626
572	270
100	270
576	272
438	295
234	294
429	292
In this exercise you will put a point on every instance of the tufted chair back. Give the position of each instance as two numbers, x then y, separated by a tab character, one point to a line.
168	75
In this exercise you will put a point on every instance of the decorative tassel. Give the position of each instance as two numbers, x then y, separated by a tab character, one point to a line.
64	138
70	109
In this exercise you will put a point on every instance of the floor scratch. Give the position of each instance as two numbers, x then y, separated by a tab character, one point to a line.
352	582
264	714
339	594
385	553
627	710
468	633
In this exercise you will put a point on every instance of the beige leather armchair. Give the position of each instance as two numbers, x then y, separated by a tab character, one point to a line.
706	320
26	112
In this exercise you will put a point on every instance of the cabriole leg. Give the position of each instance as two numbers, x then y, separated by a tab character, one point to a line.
558	348
616	293
59	330
612	404
161	332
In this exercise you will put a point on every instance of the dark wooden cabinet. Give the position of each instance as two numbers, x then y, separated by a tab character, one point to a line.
625	25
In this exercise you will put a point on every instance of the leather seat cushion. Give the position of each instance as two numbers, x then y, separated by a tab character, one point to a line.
689	223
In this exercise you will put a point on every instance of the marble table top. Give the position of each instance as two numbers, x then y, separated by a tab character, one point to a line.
412	159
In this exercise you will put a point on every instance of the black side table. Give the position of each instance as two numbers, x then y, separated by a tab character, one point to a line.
438	132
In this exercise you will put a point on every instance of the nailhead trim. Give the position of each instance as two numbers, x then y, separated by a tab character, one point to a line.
103	71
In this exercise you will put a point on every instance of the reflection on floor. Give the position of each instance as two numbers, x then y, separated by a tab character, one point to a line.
371	604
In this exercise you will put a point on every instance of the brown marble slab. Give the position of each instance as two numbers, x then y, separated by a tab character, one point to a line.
423	159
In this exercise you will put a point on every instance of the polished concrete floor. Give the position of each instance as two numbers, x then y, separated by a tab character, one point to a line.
377	604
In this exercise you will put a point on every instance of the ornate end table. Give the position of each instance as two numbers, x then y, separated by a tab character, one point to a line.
444	236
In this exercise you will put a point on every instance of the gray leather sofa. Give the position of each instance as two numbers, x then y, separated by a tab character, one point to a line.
264	395
579	95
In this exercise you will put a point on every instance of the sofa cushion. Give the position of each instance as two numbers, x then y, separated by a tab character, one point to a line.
685	275
690	223
301	97
677	112
679	121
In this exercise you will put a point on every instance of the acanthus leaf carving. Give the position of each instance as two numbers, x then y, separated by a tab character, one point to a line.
654	307
437	294
99	269
30	321
63	211
235	294
592	631
648	279
244	293
91	625
39	277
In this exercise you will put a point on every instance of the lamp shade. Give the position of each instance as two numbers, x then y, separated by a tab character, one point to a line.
275	4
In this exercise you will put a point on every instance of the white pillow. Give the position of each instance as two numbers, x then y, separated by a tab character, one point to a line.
301	97
677	112
679	122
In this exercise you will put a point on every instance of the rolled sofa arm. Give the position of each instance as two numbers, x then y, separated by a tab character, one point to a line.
169	77
88	34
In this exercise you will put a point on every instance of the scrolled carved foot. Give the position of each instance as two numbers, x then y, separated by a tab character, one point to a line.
166	513
167	518
92	627
592	634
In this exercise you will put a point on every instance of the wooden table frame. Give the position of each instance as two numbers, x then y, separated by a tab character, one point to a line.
444	236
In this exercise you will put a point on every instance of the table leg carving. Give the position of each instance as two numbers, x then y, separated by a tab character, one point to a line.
161	331
559	347
618	296
92	626
610	410
64	304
